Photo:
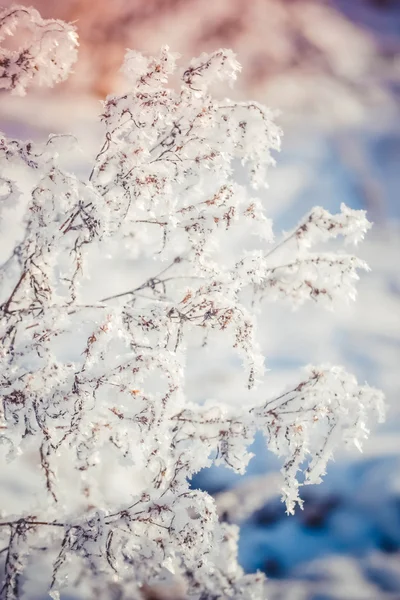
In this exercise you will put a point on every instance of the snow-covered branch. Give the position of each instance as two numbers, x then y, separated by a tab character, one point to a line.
95	389
46	54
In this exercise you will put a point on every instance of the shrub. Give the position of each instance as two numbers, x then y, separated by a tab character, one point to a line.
93	390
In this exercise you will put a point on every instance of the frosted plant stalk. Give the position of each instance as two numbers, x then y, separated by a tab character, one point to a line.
88	383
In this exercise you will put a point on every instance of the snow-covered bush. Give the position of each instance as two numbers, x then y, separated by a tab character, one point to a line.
94	390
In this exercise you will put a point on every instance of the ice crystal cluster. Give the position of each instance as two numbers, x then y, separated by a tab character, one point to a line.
94	389
46	54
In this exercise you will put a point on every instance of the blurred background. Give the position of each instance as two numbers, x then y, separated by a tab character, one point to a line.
333	70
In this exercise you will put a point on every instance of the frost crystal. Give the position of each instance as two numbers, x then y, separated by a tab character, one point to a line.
46	54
